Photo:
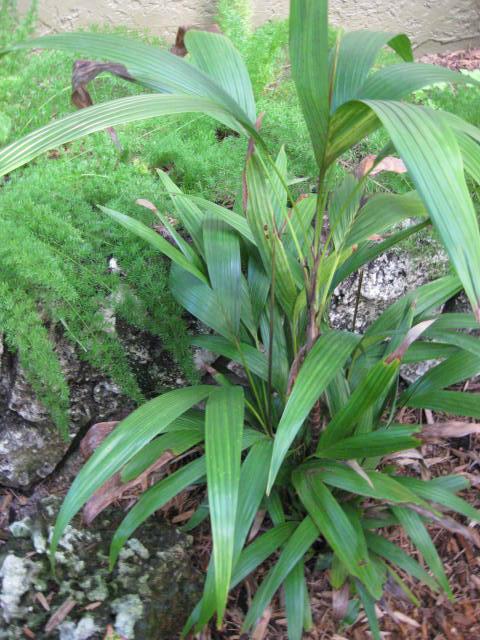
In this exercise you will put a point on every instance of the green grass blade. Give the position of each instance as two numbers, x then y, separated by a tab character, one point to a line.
223	444
321	365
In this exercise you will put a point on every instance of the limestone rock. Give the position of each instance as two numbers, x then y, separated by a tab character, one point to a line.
148	596
385	280
30	444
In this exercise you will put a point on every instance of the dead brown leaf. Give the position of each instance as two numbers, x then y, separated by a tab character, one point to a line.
42	600
441	430
114	489
60	614
180	48
390	163
95	436
262	626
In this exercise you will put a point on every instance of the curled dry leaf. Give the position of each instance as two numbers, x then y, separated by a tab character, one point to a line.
179	48
95	436
86	70
262	626
390	163
450	524
114	489
413	335
340	599
441	430
353	464
142	202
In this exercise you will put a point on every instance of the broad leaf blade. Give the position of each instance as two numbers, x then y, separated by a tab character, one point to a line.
418	534
223	445
321	365
152	67
356	55
439	177
155	240
129	437
348	543
378	380
109	114
222	254
297	545
215	55
309	58
152	500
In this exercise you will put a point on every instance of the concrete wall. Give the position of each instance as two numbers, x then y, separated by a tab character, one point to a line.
434	24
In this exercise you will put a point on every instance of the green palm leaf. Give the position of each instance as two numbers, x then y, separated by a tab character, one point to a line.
96	118
150	66
355	57
309	58
223	444
129	437
433	158
321	365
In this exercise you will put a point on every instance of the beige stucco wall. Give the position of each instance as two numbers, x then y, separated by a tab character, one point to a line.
433	24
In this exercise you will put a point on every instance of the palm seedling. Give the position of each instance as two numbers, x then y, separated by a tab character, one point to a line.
307	434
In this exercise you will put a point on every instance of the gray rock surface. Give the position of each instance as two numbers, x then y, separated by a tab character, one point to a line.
385	280
148	596
30	444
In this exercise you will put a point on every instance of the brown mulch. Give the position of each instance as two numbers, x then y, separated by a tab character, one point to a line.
468	59
435	619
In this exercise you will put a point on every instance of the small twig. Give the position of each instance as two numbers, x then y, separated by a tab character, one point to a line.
357	299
